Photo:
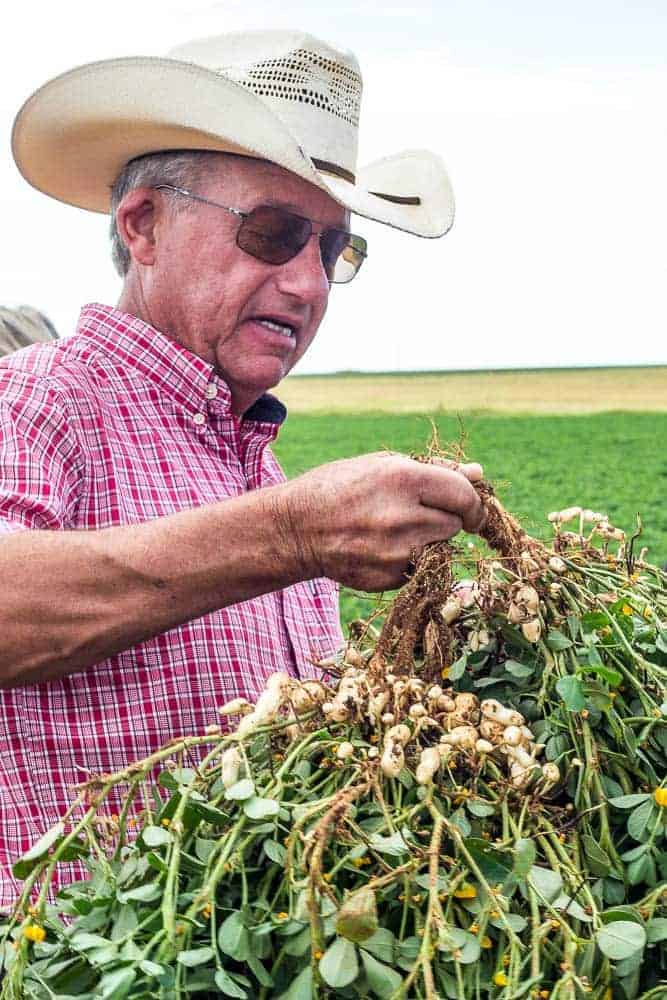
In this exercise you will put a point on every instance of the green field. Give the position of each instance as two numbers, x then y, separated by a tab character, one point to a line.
613	462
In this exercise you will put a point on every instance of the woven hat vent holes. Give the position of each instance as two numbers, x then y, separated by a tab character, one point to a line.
292	79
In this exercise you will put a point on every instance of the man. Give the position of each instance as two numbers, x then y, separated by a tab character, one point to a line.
159	563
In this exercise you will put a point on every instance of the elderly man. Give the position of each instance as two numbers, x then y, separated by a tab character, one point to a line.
155	561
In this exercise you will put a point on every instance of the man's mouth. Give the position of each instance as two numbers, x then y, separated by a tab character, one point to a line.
278	327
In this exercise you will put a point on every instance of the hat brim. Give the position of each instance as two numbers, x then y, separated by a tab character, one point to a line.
75	134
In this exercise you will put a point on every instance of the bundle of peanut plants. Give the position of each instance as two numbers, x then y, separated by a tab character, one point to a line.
471	803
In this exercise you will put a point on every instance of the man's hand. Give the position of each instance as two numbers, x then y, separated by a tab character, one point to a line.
361	521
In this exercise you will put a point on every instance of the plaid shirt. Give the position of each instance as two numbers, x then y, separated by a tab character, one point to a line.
117	425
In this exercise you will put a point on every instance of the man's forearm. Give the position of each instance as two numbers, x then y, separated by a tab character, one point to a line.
74	598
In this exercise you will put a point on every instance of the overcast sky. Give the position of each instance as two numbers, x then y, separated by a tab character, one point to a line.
551	117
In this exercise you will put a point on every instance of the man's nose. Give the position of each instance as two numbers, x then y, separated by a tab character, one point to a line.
305	272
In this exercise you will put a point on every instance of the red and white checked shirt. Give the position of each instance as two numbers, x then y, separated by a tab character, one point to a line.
118	425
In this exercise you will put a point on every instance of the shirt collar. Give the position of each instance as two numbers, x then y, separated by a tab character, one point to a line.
177	372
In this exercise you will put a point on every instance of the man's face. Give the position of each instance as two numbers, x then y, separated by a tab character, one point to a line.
217	300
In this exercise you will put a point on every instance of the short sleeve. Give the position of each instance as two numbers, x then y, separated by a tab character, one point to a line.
40	460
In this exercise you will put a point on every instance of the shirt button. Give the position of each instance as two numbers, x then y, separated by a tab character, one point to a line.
199	419
211	390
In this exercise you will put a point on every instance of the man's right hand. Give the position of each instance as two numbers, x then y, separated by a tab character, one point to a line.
361	521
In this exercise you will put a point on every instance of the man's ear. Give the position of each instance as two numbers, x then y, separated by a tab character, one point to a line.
136	218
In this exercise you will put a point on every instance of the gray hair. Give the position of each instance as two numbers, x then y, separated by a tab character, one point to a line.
181	168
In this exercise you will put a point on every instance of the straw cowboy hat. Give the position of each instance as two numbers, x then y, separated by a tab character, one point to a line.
278	95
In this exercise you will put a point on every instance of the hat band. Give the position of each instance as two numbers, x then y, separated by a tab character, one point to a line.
347	175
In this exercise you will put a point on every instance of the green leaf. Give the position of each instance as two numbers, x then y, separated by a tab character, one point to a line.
151	968
514	920
301	988
233	937
393	845
465	946
572	693
620	939
82	941
146	893
156	836
275	851
382	945
116	985
457	669
339	965
298	944
195	956
571	908
628	801
258	971
241	790
640	819
517	669
598	861
593	620
494	865
39	849
612	677
179	776
557	640
556	746
226	985
480	809
656	930
382	980
260	808
460	821
524	857
548	884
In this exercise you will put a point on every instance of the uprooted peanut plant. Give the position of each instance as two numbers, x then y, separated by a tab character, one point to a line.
470	803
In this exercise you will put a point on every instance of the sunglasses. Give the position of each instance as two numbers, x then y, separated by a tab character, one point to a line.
274	236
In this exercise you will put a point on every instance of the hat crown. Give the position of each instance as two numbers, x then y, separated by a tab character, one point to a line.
314	88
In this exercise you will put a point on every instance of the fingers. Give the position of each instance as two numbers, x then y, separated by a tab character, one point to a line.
473	471
450	491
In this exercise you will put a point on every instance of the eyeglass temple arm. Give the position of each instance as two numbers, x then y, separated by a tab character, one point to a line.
198	197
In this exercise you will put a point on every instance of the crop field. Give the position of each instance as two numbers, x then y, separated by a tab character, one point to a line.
612	461
564	390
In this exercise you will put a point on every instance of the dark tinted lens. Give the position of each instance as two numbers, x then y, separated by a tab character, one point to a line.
273	235
345	253
332	244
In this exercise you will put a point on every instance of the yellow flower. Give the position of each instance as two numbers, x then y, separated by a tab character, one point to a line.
166	822
444	673
282	915
34	932
660	796
466	891
486	942
474	928
647	612
318	955
626	609
500	979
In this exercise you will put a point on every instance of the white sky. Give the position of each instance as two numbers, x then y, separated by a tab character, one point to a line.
551	116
